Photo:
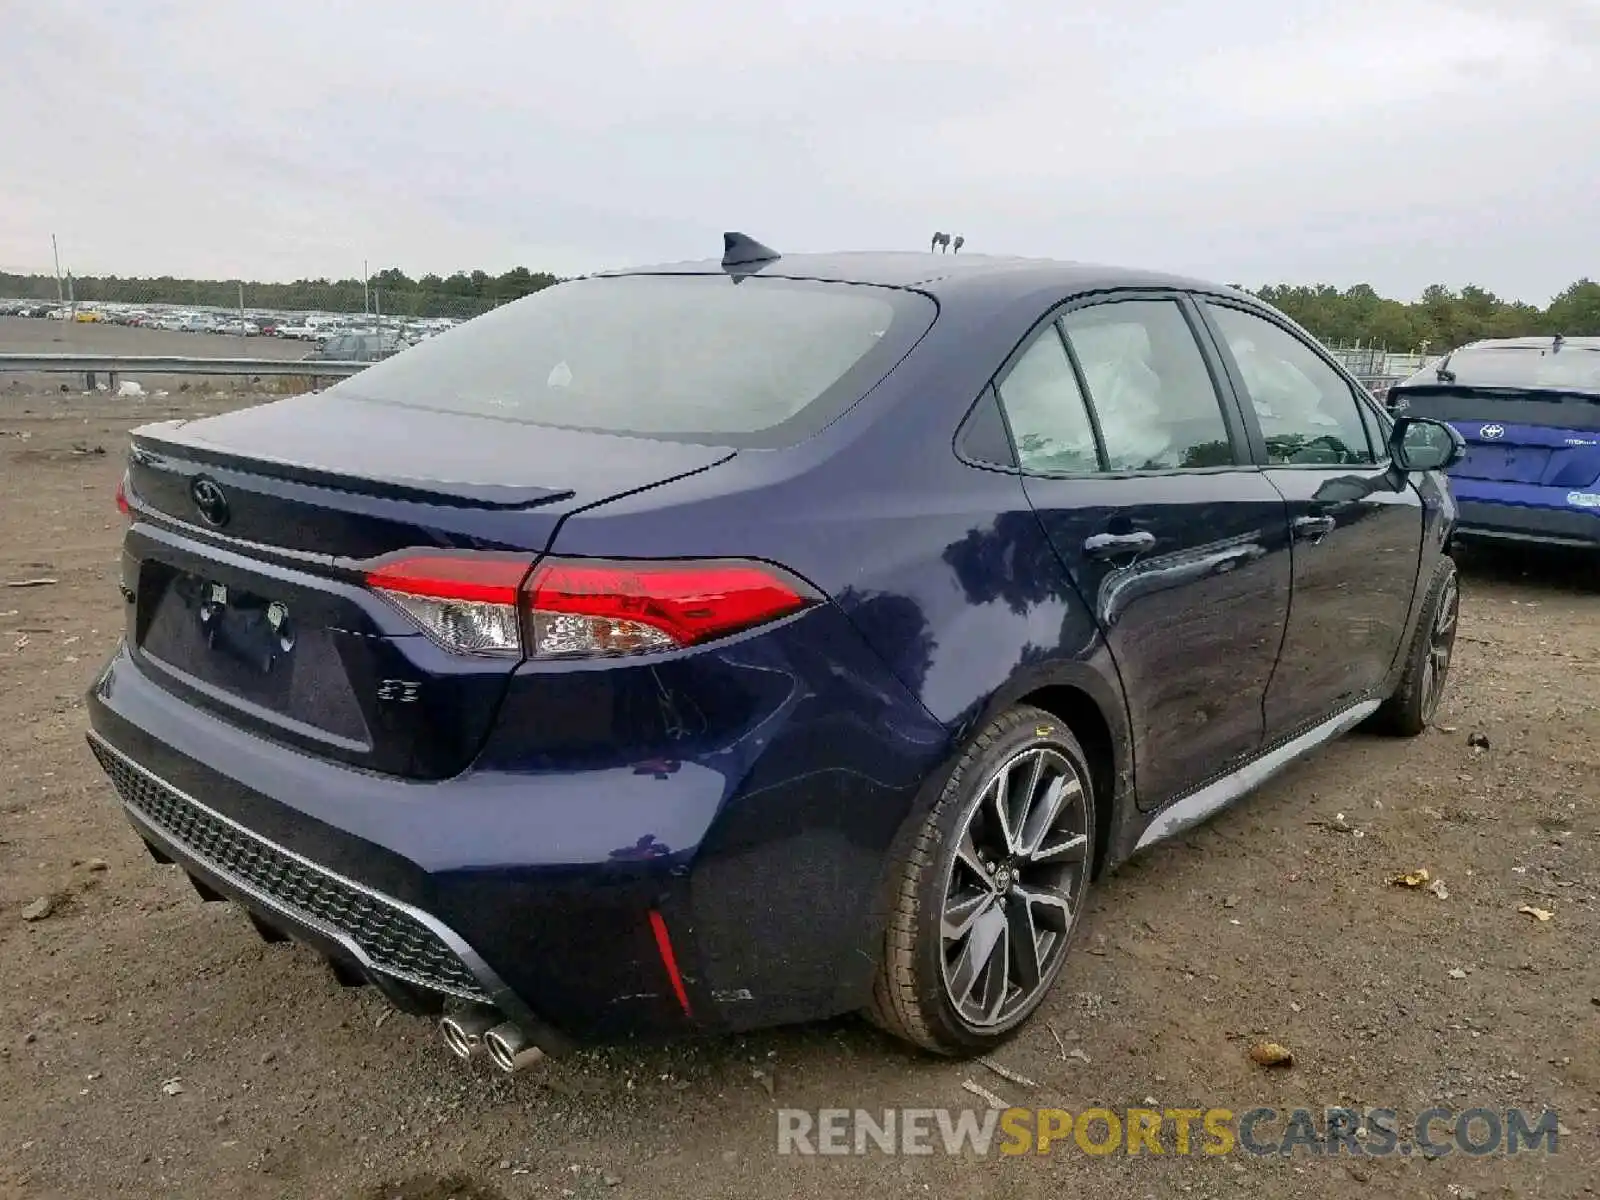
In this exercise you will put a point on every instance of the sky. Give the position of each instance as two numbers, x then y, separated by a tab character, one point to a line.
1399	143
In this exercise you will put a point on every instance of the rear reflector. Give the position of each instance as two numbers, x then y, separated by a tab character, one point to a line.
669	960
122	496
579	608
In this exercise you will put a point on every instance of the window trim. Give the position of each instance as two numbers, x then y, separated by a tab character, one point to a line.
1203	301
1376	419
1228	407
988	398
1102	457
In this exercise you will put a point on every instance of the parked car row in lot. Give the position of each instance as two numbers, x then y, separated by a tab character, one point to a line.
383	334
32	308
359	346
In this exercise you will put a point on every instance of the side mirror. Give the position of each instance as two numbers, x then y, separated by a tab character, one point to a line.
1419	444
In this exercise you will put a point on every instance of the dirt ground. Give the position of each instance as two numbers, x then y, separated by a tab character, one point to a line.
152	1045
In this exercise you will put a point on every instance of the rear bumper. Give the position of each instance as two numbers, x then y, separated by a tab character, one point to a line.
1524	513
418	962
538	888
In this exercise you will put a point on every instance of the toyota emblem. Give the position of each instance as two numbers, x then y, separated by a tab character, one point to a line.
210	499
1492	432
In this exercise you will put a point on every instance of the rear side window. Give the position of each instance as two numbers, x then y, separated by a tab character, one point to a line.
1148	382
1049	420
753	361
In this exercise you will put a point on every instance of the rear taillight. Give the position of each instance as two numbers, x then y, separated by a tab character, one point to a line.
122	496
573	607
578	606
465	602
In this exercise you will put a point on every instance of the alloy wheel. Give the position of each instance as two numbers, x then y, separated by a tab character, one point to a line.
1441	644
1015	886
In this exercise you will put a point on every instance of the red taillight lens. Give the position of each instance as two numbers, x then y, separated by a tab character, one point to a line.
122	496
489	604
465	602
594	607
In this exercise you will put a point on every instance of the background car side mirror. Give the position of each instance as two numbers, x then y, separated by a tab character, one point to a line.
1419	444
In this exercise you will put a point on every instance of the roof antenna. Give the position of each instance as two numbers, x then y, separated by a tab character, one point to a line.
1557	344
740	250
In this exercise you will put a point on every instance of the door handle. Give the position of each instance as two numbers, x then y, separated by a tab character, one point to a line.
1313	529
1103	546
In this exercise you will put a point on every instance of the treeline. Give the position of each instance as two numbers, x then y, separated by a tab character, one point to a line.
465	293
1440	320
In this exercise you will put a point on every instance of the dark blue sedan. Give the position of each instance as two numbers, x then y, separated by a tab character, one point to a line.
748	641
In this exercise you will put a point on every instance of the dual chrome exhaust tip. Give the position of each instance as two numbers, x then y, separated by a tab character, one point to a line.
467	1033
509	1048
463	1032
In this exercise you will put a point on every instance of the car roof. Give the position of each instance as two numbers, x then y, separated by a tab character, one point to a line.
1540	342
944	274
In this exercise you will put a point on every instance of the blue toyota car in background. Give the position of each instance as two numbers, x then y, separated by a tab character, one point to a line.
1529	411
751	641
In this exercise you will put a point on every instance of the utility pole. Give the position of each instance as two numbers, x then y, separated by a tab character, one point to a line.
61	296
366	300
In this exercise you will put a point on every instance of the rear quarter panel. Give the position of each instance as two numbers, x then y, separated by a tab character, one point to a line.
942	567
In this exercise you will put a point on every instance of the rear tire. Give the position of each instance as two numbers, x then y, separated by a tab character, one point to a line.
1414	703
990	893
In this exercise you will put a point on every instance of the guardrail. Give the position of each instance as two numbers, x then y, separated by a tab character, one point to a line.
112	365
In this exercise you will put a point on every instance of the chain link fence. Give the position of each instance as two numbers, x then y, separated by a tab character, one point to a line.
1377	367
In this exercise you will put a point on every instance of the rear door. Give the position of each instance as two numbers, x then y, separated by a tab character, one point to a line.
1357	527
1139	471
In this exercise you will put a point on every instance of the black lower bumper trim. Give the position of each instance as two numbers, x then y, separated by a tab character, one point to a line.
205	891
269	933
383	934
276	925
1478	519
407	953
417	961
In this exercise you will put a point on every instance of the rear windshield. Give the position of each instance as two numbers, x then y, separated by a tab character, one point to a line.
748	362
1576	368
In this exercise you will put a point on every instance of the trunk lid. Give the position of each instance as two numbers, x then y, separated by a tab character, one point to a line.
1514	435
251	535
329	476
